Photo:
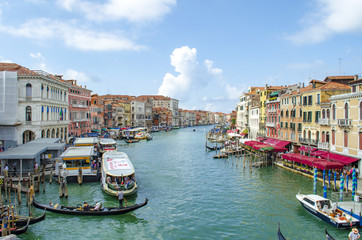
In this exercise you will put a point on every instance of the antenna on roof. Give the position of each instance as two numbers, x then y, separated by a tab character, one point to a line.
340	63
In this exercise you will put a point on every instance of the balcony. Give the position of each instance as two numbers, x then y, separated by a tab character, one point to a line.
323	145
79	106
344	122
272	110
324	121
308	141
271	124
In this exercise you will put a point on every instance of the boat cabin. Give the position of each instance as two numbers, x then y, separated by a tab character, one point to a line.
76	158
107	144
131	133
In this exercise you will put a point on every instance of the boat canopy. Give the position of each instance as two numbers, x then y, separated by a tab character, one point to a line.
117	164
105	141
78	152
86	141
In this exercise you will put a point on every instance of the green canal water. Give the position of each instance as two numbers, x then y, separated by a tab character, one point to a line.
191	196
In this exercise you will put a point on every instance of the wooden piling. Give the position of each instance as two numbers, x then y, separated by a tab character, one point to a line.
80	176
51	176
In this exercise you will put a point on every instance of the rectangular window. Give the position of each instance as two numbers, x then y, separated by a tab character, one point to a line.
317	116
310	100
318	98
310	116
304	116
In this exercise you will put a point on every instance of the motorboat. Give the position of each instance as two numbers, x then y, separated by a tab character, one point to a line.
107	144
327	211
118	174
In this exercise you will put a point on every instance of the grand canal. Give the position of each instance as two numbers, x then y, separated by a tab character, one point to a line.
191	196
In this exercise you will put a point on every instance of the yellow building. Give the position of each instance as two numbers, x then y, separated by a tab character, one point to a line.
312	98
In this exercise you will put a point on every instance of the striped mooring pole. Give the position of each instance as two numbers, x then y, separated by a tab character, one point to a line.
341	189
315	181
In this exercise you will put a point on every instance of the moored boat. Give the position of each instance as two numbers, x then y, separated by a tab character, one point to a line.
17	230
106	145
327	211
131	140
23	220
118	174
103	211
328	236
280	235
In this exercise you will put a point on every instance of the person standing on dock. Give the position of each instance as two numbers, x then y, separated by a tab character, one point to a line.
120	199
354	235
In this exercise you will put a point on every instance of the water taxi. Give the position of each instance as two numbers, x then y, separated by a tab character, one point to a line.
327	211
86	141
106	145
76	160
118	174
132	133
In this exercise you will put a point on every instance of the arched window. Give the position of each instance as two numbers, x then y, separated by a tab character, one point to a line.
323	114
346	111
28	114
327	137
328	113
28	90
334	112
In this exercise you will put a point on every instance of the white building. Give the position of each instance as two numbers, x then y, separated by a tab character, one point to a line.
138	113
42	104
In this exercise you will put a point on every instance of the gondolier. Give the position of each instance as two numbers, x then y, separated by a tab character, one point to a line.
120	199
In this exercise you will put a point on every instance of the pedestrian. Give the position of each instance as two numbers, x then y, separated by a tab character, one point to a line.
354	235
120	199
14	168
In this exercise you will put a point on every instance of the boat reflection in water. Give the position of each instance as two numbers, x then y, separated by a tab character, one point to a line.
118	174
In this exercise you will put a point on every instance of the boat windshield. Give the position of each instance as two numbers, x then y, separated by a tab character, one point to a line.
325	202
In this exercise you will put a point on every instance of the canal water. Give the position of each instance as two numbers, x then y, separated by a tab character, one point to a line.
191	196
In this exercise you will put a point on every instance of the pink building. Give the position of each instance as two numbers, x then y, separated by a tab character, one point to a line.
79	109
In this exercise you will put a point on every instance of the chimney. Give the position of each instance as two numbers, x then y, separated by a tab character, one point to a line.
266	85
75	82
85	86
303	84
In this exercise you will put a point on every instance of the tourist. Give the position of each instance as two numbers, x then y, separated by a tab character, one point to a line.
120	199
85	206
98	206
354	235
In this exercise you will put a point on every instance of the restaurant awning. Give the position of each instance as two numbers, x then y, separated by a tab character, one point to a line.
259	146
276	142
260	139
312	161
317	153
338	158
306	149
251	143
328	165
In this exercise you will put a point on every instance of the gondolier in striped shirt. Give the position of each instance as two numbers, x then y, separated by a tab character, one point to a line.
120	199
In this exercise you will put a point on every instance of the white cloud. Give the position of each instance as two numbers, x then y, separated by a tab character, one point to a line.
37	55
112	10
305	65
192	76
331	17
5	60
81	78
233	92
80	38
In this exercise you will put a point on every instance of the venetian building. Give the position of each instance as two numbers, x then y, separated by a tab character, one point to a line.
41	103
346	121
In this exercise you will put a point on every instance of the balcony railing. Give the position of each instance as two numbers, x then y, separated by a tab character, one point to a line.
271	124
344	122
323	145
324	121
308	141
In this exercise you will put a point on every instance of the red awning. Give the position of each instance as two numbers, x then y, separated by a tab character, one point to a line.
251	143
281	143
324	164
317	153
280	149
339	158
306	149
287	156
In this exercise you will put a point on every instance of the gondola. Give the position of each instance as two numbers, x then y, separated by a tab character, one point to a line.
280	235
329	237
131	140
214	148
17	230
78	210
23	220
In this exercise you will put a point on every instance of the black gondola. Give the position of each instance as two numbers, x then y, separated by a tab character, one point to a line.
214	148
23	220
17	230
280	235
131	140
329	237
78	210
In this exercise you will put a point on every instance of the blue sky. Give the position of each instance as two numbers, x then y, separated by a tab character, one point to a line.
204	53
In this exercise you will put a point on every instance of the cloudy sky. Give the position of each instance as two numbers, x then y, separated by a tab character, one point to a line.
204	53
